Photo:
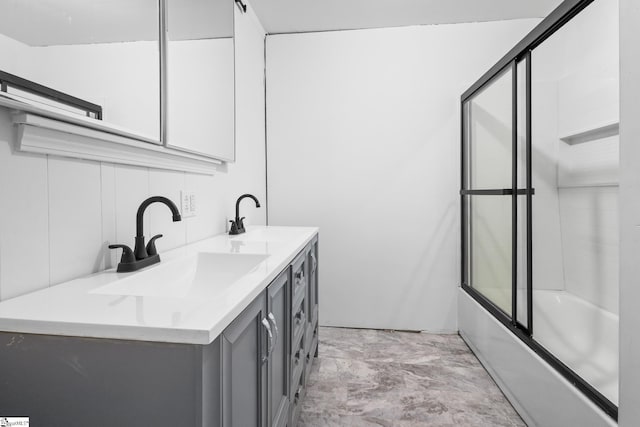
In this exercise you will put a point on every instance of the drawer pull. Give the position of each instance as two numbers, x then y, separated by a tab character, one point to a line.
299	277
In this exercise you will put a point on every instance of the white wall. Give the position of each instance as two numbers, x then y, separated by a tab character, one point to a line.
363	141
629	213
57	216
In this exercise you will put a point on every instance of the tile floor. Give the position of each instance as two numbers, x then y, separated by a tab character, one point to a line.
382	378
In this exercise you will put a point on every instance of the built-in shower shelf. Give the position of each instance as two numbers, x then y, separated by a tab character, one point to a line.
595	164
592	134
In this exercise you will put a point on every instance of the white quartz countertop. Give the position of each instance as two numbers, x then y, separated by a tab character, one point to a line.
103	306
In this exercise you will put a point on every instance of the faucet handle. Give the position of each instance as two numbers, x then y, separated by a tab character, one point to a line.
241	224
151	246
127	254
234	228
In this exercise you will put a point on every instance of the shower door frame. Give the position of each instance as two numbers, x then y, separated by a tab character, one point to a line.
521	52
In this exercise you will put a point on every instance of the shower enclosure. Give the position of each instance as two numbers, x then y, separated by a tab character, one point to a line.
539	194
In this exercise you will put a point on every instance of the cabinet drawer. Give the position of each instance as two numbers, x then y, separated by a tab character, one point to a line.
298	320
311	333
298	357
310	350
312	282
296	401
308	336
299	277
314	315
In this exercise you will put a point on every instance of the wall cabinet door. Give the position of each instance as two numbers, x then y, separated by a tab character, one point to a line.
244	367
278	312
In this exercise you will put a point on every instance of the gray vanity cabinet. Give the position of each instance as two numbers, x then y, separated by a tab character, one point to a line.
244	368
253	374
255	361
60	381
311	333
278	303
299	310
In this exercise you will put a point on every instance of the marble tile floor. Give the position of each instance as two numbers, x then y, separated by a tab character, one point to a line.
366	377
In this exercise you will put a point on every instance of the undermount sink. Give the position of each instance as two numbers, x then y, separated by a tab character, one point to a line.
194	276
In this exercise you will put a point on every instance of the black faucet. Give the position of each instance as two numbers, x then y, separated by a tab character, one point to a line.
143	256
237	226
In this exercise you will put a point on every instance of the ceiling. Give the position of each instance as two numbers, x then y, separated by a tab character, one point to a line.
68	22
295	16
60	22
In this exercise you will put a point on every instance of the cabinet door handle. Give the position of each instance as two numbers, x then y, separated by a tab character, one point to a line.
272	318
299	317
267	326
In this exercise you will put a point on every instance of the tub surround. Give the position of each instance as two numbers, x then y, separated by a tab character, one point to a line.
87	307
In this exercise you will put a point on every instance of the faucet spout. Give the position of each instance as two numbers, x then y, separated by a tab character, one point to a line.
143	256
140	250
244	196
237	226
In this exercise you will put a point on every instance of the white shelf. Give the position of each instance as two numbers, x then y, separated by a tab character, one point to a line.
42	135
590	158
596	132
55	133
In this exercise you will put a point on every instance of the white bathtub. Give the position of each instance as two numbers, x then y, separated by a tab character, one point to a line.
539	393
581	335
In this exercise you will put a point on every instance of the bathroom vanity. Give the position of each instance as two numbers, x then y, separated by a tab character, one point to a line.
222	332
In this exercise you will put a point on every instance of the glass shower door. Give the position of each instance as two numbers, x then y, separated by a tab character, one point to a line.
576	156
545	121
487	189
494	192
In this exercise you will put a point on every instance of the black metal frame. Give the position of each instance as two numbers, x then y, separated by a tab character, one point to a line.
522	51
9	80
497	192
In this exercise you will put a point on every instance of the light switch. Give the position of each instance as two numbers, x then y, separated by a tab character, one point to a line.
192	204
